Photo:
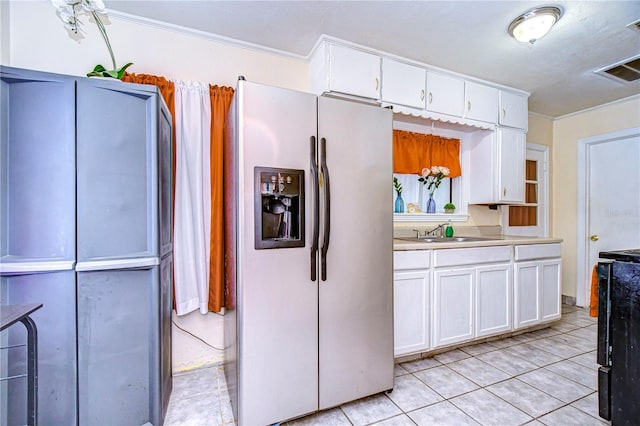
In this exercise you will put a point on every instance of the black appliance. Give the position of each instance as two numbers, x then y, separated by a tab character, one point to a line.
619	336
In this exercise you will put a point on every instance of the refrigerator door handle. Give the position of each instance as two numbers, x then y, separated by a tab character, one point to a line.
327	209
316	208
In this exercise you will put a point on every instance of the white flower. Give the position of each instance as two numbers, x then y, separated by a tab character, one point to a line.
93	6
432	177
68	11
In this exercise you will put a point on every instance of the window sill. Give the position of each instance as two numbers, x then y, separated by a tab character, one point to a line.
430	217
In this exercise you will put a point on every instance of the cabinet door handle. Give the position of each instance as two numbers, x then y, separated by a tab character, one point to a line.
468	105
594	238
422	95
430	97
377	82
504	191
504	113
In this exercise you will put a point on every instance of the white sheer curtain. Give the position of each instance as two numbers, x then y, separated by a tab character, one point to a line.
192	220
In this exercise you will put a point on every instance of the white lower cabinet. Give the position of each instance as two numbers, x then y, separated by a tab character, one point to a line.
494	299
551	274
526	294
411	310
537	284
411	301
471	302
449	296
453	305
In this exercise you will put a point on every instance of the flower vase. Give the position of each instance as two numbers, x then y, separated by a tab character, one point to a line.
399	206
431	204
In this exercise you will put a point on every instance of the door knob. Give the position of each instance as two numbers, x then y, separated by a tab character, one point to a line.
594	238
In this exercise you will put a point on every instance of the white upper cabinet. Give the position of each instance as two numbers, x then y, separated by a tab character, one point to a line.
496	174
445	94
403	84
345	70
513	110
480	102
512	149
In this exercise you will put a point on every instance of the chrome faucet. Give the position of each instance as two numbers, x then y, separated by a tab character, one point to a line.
438	231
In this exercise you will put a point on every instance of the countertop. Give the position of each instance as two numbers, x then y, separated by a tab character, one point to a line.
502	240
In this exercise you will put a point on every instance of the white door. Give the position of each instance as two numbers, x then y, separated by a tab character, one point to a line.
609	196
531	218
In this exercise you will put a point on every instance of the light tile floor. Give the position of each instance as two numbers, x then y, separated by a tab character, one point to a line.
547	376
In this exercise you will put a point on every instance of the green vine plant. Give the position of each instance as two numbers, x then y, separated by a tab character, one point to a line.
397	186
68	11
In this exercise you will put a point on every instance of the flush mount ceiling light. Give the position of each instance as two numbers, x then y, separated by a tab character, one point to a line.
535	23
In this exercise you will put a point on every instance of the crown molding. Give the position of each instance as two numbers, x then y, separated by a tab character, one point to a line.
593	108
127	17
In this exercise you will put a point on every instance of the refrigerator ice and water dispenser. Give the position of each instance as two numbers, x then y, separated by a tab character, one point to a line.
279	208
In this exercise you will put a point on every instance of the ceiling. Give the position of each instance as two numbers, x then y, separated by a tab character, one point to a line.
469	37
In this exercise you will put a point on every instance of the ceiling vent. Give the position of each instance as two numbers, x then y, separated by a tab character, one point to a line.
625	71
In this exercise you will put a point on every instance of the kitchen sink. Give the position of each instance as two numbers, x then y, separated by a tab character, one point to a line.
445	240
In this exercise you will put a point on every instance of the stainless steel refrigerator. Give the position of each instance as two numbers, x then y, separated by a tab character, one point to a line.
309	252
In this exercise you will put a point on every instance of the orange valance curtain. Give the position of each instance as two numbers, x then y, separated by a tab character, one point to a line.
167	90
220	102
414	151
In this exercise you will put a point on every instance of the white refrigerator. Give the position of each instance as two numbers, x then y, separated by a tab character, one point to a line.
309	253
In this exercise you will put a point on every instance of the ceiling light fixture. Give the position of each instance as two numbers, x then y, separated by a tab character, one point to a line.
535	23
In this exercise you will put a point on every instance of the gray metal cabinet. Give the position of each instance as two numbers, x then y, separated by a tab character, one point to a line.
85	213
37	164
117	172
116	357
56	323
38	239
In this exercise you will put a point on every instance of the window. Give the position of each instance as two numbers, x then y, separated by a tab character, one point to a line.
415	192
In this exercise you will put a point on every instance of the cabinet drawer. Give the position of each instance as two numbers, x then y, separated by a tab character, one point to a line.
467	256
416	259
537	251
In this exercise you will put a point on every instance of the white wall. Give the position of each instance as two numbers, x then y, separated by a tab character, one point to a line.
39	41
566	133
5	32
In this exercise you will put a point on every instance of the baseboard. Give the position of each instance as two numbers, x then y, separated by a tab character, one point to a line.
568	300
